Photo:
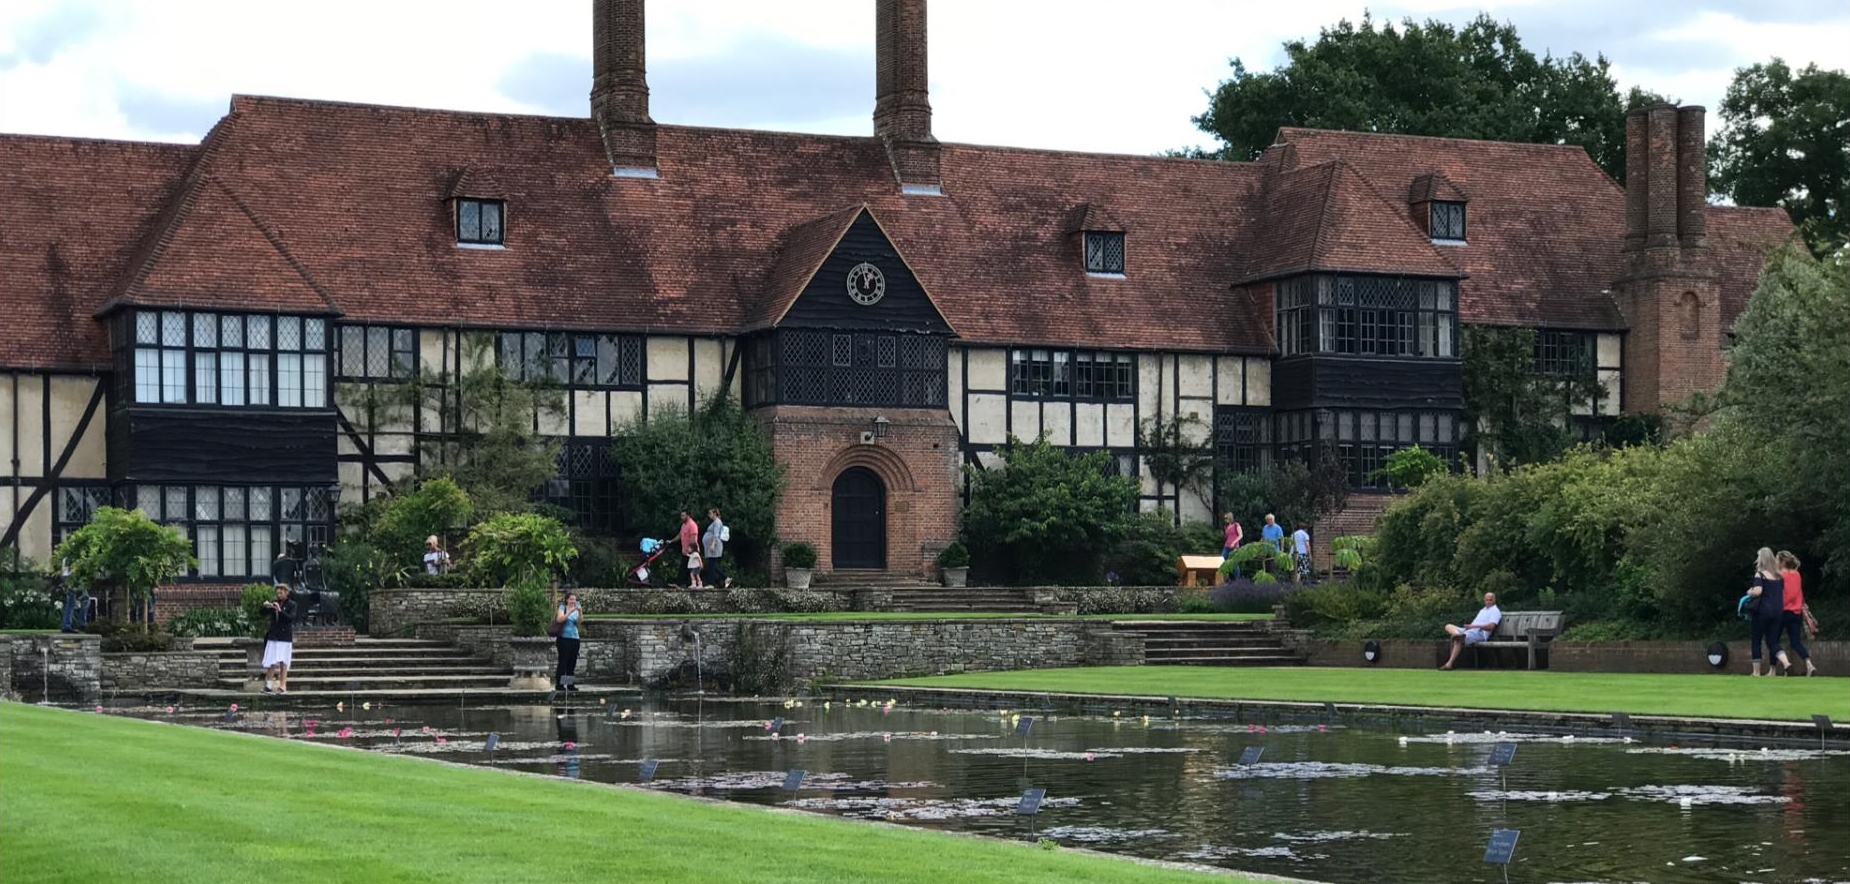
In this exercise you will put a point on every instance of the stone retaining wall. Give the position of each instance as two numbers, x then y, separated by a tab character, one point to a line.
1687	657
648	651
136	671
75	663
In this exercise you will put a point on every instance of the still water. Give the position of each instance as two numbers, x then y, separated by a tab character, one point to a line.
1331	802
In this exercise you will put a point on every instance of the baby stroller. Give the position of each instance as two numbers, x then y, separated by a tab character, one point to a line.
644	572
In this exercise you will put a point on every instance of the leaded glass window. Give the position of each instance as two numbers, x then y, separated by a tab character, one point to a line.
1366	316
1104	252
1448	221
478	222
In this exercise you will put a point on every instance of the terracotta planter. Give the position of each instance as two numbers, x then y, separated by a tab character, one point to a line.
534	662
796	578
956	576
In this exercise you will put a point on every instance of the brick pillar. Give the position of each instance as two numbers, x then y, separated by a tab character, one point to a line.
620	86
1692	178
902	101
1661	177
1637	185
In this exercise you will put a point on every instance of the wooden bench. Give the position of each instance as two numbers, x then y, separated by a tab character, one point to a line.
1524	629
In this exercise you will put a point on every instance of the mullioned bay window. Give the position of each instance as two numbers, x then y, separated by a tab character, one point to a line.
1354	315
182	357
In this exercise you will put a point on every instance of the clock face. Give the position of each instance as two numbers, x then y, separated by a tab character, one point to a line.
866	284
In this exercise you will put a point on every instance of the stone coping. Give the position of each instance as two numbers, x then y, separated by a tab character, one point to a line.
1681	727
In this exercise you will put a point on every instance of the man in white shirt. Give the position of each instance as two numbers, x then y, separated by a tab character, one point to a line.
1480	629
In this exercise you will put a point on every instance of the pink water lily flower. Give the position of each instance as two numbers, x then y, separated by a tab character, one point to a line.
234	707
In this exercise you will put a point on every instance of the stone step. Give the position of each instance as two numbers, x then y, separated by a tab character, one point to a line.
378	662
360	653
383	681
350	672
1210	646
1235	660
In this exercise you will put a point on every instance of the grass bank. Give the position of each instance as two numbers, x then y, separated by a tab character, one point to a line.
1703	696
92	799
925	615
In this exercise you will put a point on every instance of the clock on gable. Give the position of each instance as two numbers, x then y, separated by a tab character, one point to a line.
866	284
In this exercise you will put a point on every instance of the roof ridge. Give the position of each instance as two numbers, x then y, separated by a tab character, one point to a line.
1323	212
1424	237
1312	130
164	229
276	242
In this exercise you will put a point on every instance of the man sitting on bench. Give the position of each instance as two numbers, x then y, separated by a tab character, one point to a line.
1480	629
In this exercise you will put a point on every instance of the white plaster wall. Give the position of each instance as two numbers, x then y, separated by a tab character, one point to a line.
1057	422
1089	425
667	362
988	368
7	432
625	407
35	536
1201	426
1259	382
69	396
1197	375
344	444
430	351
1232	379
666	398
988	416
954	375
478	351
1611	378
352	482
1025	420
394	444
709	368
588	413
30	408
1120	425
1194	508
1153	386
1610	350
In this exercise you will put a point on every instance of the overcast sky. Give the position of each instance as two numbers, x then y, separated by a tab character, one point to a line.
1101	75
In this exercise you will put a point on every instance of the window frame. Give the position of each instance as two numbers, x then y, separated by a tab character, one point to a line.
557	357
846	368
1365	437
1454	221
1059	374
1366	316
181	358
479	239
400	347
264	526
1097	251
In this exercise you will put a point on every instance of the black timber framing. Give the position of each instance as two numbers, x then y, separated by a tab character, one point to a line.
48	482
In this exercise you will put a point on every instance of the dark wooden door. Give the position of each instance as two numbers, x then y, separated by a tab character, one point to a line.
859	515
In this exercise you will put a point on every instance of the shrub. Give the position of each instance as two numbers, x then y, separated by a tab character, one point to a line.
715	457
1046	514
1196	602
956	555
528	610
1259	560
250	602
799	555
512	546
26	601
1411	467
1147	555
1331	604
1248	597
215	622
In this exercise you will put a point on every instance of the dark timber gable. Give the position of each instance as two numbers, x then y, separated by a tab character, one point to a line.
825	302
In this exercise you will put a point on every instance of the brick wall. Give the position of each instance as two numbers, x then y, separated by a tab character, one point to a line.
177	598
917	461
1652	656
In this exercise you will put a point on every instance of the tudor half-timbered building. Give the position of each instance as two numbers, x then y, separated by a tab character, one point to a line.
190	329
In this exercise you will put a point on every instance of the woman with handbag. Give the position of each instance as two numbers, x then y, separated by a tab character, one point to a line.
1793	613
1768	606
565	630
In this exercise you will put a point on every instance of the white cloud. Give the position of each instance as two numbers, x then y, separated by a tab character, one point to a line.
1080	74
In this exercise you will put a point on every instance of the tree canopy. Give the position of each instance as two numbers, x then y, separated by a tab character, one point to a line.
1785	141
1477	81
1046	514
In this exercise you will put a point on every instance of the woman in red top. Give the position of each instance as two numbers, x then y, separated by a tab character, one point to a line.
1234	535
1792	616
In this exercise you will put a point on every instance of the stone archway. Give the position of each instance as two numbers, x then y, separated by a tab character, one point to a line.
858	520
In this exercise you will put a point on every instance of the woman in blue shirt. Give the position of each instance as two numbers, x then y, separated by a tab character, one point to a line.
567	618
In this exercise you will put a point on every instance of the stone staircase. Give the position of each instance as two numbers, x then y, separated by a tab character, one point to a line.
373	664
1209	643
859	578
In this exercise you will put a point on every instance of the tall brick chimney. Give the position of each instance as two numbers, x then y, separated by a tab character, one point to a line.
1668	290
620	87
902	103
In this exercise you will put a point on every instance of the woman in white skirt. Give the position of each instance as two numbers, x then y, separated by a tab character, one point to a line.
279	641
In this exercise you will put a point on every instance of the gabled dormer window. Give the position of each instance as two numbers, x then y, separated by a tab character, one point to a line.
1105	252
1448	221
479	222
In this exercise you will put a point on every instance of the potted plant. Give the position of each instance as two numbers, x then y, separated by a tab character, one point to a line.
528	611
799	558
954	564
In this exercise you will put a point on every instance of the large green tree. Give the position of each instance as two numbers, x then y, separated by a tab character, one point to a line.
125	554
1477	81
1785	141
716	457
1045	514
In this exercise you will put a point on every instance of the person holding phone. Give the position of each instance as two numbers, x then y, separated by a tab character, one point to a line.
278	641
566	619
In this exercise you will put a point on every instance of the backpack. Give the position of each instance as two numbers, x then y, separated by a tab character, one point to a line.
725	533
1743	608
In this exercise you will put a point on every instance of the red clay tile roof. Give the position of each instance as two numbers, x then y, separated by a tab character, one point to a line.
1741	238
75	211
1327	218
1544	227
804	249
1435	186
320	206
1090	217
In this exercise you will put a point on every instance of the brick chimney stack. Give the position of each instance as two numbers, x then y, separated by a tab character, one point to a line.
1668	290
902	102
620	87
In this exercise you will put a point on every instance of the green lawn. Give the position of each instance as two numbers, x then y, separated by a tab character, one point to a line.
1716	696
92	799
924	615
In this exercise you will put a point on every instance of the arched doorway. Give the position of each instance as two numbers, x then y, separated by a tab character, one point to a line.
858	513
